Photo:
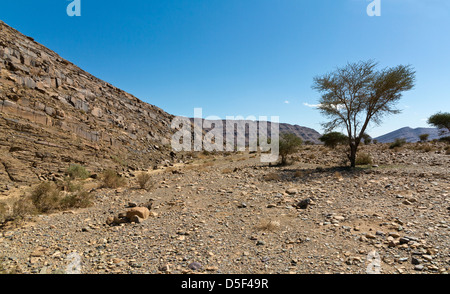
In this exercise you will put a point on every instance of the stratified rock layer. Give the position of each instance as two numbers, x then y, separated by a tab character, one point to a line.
53	113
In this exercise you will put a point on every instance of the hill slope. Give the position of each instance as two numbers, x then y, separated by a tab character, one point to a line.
411	135
53	113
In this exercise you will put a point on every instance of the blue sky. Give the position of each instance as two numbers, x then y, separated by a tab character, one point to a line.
246	57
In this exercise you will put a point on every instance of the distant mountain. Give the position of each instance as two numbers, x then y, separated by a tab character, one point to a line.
306	134
409	134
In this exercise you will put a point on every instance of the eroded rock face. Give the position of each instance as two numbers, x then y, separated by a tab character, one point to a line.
50	107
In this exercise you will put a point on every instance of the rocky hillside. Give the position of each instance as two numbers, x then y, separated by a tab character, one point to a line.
242	126
409	134
53	113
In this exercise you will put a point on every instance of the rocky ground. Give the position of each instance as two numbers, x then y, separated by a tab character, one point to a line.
233	214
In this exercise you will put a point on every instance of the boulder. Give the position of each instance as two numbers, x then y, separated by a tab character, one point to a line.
141	212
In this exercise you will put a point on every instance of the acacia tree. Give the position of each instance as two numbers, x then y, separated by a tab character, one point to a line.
358	94
441	121
333	139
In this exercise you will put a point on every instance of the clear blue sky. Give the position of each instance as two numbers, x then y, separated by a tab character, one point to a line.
246	57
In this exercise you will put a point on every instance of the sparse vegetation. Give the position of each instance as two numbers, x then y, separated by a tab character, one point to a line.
47	197
397	143
145	182
272	177
111	179
289	144
3	212
363	159
76	171
268	226
333	139
424	137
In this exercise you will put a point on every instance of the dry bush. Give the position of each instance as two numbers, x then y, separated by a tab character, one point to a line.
363	159
46	197
397	144
144	181
111	179
268	226
272	177
3	212
299	174
23	207
80	199
337	175
227	170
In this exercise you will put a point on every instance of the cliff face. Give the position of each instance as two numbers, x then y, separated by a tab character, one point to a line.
53	113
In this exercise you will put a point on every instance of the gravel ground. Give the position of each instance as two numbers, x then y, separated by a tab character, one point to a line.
235	215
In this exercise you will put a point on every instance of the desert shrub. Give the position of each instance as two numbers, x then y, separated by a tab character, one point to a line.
363	159
299	174
119	160
23	207
68	185
112	180
76	171
144	181
227	170
46	197
397	143
272	177
80	199
268	226
3	212
424	137
289	144
427	148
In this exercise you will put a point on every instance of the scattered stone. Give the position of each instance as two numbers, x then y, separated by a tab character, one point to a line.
303	204
195	266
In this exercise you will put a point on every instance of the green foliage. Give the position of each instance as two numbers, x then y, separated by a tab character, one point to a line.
358	94
441	121
445	139
289	143
424	137
366	138
397	143
76	171
333	139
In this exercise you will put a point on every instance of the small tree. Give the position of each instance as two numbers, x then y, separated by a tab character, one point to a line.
333	139
424	137
367	139
441	121
289	144
358	94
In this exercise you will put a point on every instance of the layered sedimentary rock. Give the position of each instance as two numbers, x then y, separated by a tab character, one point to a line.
53	113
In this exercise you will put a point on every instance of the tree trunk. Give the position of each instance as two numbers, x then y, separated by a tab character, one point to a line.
352	155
